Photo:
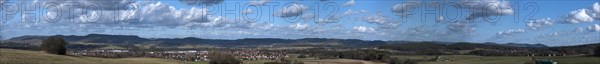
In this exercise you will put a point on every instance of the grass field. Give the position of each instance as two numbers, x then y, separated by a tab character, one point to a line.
12	56
313	60
471	59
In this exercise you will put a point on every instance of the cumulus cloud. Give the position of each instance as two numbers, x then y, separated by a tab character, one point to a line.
258	2
349	3
461	27
201	2
583	15
405	8
510	32
58	5
378	19
163	14
486	8
382	21
594	28
539	23
298	26
595	10
155	14
578	16
363	29
85	10
292	10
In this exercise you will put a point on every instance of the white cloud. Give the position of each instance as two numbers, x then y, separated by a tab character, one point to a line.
90	4
308	16
292	10
595	11
247	11
160	14
378	19
404	8
539	23
510	32
583	15
328	20
594	27
578	16
258	2
2	2
486	8
363	29
155	14
348	12
440	19
382	21
336	17
461	27
362	11
349	3
201	2
298	26
64	10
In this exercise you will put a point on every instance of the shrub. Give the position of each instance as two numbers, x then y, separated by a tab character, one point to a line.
302	56
597	51
54	45
219	58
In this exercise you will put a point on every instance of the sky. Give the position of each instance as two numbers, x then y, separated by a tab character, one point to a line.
550	22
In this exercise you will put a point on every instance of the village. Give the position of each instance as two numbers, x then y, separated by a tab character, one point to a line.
184	55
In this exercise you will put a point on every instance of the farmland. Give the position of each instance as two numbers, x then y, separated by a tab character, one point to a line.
12	56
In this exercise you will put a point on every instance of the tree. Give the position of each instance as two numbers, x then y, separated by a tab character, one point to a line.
597	51
219	58
54	45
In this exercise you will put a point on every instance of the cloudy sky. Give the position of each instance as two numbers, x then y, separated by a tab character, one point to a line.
550	22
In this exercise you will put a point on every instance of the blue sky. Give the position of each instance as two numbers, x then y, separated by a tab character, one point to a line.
550	22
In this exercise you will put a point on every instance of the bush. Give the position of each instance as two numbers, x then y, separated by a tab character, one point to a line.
597	51
402	61
219	58
54	45
302	56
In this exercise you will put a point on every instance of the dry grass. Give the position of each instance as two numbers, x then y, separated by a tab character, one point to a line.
12	56
339	61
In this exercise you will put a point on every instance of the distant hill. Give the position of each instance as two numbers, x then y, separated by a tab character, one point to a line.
517	45
490	49
128	40
102	40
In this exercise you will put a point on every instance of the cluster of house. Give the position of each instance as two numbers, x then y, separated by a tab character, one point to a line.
255	55
185	55
190	55
106	53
